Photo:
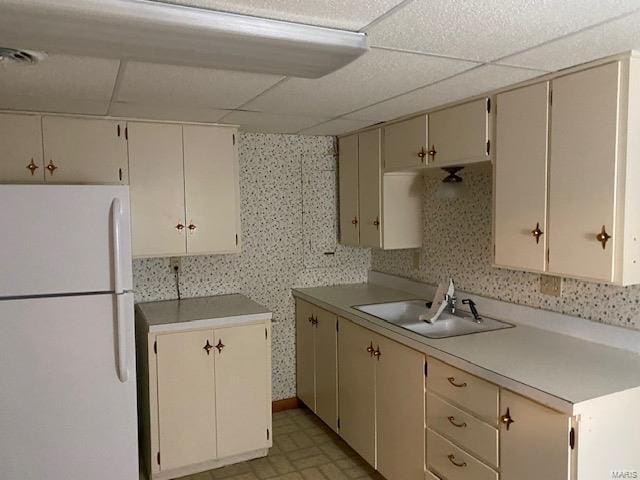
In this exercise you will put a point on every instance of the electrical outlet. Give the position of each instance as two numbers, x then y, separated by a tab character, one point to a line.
175	263
551	285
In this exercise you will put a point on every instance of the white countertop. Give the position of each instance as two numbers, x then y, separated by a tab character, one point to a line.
202	312
555	369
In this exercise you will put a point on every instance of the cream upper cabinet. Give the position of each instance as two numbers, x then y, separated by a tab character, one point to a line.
84	150
406	144
348	190
369	188
459	135
520	178
534	440
211	181
21	149
585	160
379	210
316	368
157	189
186	399
243	393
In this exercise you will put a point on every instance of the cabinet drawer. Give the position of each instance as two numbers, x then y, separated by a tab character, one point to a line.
473	435
464	390
453	463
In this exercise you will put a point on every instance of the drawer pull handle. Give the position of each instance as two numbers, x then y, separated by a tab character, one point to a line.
452	381
452	459
452	421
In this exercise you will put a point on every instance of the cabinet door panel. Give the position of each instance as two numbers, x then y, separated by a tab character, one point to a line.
326	367
211	189
20	145
186	399
537	443
404	144
520	175
584	135
400	412
357	389
85	150
305	354
242	390
459	134
157	189
369	185
348	190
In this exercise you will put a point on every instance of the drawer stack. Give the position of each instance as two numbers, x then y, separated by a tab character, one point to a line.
462	425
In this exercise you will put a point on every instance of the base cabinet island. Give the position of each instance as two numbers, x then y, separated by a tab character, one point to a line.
515	404
205	383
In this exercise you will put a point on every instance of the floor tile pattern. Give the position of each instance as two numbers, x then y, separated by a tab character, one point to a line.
303	449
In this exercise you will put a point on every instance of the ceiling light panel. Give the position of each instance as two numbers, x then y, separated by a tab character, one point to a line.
335	127
377	75
474	82
171	34
190	86
270	123
486	31
347	14
597	42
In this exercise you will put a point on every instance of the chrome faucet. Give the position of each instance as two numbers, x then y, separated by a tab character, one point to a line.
474	311
451	302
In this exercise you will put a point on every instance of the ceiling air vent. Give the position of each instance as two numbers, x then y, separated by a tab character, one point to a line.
20	57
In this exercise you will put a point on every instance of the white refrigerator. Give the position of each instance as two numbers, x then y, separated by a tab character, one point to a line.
67	362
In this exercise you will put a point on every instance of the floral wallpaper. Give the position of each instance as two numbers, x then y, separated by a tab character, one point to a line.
289	239
457	244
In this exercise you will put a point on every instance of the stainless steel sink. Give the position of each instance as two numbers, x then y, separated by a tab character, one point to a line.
405	314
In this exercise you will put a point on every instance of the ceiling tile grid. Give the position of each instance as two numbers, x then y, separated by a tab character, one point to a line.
270	122
335	127
161	111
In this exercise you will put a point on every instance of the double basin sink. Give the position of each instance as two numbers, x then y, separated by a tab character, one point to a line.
406	314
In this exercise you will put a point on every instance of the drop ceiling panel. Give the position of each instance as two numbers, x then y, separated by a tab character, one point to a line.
149	83
597	42
166	112
53	104
345	14
377	75
482	30
336	127
270	123
474	82
62	76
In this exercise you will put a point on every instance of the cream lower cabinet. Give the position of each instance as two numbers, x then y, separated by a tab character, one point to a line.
21	149
184	189
208	398
381	411
377	210
316	361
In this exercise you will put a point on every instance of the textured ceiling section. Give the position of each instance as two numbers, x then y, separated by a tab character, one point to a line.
425	53
346	14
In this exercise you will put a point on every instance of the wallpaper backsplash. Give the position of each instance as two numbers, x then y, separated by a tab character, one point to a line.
457	244
289	231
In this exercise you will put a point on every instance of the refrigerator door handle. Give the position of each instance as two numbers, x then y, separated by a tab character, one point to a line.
116	215
122	362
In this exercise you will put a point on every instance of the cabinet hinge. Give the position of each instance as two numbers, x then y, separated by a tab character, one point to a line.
155	346
236	239
338	422
426	369
267	434
550	97
488	147
572	438
265	333
158	458
126	133
337	326
234	138
488	105
118	129
548	255
120	174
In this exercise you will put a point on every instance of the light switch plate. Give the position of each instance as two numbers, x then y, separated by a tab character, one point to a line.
551	285
175	263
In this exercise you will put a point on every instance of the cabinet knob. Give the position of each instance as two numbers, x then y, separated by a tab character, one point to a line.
506	419
370	349
422	153
376	223
452	459
537	233
207	347
452	421
432	152
220	346
376	353
179	227
51	167
452	381
354	221
603	237
191	227
32	167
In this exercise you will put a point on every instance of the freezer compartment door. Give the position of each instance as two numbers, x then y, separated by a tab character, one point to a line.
59	239
65	413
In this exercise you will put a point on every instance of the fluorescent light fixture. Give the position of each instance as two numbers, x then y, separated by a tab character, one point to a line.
172	34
